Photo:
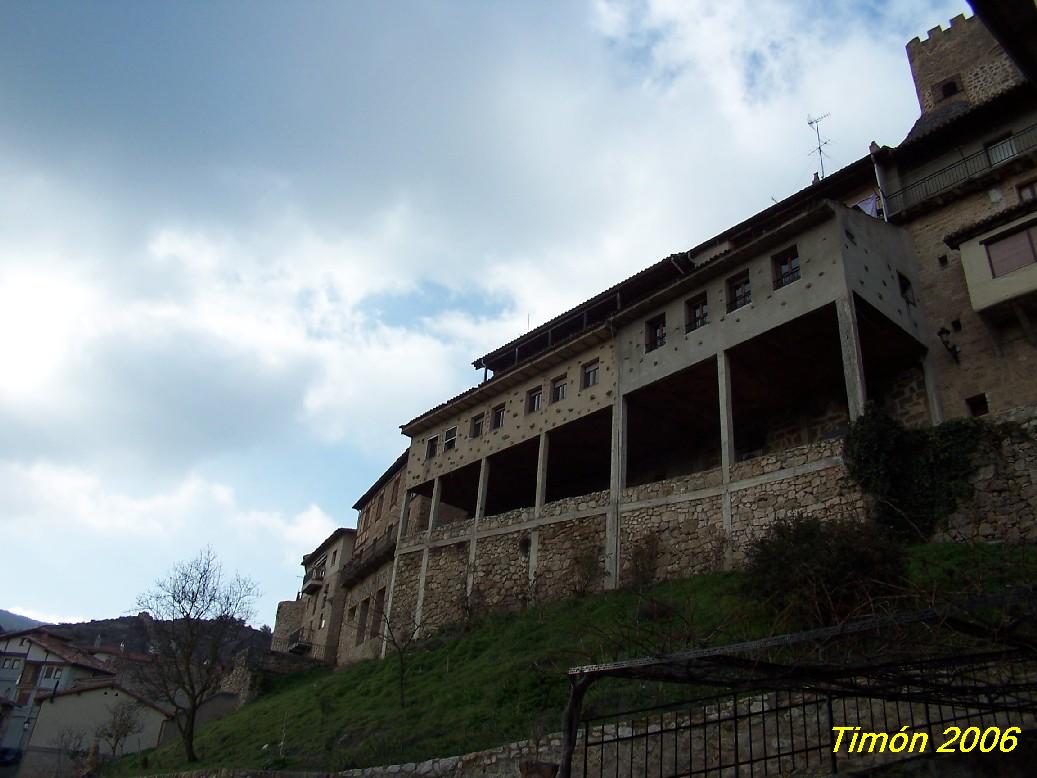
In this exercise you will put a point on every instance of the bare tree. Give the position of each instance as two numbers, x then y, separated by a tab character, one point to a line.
401	637
197	625
70	743
123	721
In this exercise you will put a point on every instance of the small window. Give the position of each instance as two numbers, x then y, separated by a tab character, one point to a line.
696	312
498	417
395	490
333	555
7	664
476	429
739	292
949	88
1013	252
430	446
905	289
590	375
16	663
48	672
977	405
786	267
57	674
381	497
942	260
655	332
534	398
558	388
1027	191
449	443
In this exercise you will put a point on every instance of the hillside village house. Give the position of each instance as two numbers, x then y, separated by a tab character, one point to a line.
689	406
34	663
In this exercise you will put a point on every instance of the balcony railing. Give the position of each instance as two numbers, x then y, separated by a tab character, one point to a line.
312	580
368	559
970	167
301	643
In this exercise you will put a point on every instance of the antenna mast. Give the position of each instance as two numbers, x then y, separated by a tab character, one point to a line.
819	149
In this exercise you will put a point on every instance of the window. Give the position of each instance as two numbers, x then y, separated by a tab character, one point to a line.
7	664
977	405
395	490
655	332
739	292
381	497
376	616
590	375
449	442
48	672
905	289
696	312
533	399
558	387
948	88
361	627
322	621
430	446
476	428
498	417
1012	252
1027	191
333	555
786	267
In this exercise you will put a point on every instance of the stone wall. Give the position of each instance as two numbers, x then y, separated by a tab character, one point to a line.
252	668
570	558
367	589
965	50
826	493
903	397
1004	504
689	538
445	585
405	592
288	619
501	581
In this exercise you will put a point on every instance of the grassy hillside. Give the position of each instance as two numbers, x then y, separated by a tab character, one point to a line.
500	680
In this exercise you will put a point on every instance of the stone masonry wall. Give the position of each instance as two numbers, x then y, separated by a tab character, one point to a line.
288	619
501	580
405	592
965	50
1000	364
445	583
1004	504
367	589
826	493
570	558
690	534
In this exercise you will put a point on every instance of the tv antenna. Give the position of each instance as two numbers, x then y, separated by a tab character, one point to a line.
814	123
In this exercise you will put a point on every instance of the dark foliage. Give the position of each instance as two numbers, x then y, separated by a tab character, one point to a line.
815	573
916	476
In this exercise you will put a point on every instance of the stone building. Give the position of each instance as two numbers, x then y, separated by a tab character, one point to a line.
309	625
658	427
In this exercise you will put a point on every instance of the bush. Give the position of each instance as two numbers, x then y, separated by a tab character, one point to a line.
814	573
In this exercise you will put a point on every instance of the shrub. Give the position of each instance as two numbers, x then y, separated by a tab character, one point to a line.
814	573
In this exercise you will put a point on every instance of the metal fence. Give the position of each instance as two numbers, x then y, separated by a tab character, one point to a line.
964	169
775	732
300	642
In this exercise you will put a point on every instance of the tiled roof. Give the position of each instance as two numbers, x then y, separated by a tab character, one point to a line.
68	652
107	683
382	479
327	542
753	225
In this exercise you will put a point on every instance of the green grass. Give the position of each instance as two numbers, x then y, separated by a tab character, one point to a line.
503	678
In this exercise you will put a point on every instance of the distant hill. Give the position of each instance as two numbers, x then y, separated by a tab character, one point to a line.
12	622
128	631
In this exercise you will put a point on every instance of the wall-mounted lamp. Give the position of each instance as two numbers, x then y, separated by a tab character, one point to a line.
944	335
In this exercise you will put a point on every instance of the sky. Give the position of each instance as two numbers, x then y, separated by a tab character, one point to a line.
242	242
